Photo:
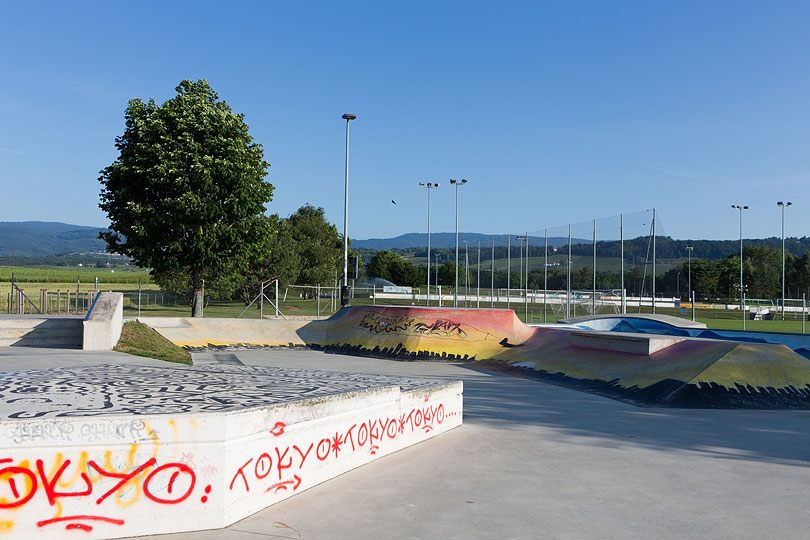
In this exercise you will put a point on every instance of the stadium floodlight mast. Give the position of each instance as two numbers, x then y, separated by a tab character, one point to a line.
429	186
457	183
783	205
344	289
742	294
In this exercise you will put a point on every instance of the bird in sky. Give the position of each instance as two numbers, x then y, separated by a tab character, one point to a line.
393	201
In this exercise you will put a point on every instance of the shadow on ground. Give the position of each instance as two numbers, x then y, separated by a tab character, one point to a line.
508	402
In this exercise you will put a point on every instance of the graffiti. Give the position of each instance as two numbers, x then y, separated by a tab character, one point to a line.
278	465
101	391
167	484
21	433
374	322
441	327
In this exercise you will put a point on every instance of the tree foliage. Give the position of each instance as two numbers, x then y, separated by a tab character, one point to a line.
186	195
392	267
320	247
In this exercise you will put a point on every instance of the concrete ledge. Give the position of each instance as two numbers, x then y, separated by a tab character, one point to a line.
118	451
104	321
643	344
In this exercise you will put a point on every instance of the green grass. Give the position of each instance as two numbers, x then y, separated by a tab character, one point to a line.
140	340
68	274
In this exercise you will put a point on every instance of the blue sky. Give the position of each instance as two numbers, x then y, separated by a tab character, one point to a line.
556	112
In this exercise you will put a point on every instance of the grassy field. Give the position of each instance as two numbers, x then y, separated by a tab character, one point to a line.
119	275
62	279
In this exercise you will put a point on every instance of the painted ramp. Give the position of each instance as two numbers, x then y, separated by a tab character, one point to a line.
675	371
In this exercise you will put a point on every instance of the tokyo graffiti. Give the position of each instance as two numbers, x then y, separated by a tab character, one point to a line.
283	467
169	483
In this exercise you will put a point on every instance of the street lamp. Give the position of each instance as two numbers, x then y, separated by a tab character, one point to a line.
429	186
783	205
742	300
344	289
689	250
455	290
521	239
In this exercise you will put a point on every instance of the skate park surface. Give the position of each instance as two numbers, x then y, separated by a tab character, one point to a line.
532	460
668	368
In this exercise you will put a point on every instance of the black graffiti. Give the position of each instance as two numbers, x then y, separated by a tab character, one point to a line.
442	327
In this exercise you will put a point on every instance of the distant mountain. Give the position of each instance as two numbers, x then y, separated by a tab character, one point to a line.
448	240
47	238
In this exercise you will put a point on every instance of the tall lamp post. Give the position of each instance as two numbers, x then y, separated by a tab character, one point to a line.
689	292
344	289
457	183
524	238
742	293
429	186
783	205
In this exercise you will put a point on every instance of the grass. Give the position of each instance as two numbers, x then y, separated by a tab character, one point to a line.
140	340
53	275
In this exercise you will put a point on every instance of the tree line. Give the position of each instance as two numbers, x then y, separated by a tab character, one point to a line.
762	276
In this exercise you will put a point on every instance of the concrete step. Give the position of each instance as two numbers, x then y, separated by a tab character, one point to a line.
41	332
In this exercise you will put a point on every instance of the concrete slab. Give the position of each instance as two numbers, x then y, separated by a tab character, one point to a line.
113	450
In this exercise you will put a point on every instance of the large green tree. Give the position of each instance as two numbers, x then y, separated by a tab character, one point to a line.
392	267
319	246
186	195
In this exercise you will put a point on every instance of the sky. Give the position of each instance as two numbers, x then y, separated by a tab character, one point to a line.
555	112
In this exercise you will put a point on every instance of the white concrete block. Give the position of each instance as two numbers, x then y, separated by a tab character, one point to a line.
89	452
104	321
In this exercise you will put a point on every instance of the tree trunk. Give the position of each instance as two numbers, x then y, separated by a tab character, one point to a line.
198	296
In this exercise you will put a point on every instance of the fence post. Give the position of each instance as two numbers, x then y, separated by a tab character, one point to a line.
277	299
804	309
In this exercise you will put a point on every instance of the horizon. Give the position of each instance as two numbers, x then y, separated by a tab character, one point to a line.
460	232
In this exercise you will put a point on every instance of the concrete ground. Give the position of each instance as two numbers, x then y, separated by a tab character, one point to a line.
534	460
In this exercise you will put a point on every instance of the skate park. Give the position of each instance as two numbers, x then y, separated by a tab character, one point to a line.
134	436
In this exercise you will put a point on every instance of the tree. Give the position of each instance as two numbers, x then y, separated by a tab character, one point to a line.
282	260
187	193
446	275
392	267
319	245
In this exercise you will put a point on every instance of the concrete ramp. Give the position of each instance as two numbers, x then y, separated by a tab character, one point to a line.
648	369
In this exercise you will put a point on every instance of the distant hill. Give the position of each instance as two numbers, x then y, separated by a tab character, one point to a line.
47	238
448	240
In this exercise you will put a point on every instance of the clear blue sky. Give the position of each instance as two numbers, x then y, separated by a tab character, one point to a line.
556	112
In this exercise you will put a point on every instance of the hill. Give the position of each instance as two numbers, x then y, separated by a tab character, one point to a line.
448	240
46	238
